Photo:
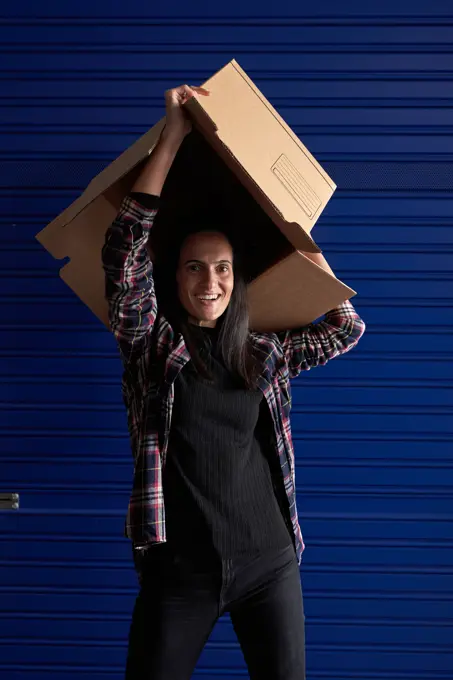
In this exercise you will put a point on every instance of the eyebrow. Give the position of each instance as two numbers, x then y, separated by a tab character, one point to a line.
201	262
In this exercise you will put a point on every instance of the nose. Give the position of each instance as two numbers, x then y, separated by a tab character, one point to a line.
210	279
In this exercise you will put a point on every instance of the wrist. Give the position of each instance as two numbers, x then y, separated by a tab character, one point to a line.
172	138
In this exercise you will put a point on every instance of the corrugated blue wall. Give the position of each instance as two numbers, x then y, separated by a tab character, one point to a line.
368	87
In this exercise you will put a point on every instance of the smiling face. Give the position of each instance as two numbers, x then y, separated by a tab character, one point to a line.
205	277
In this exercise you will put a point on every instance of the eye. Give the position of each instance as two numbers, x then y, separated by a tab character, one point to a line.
194	267
223	268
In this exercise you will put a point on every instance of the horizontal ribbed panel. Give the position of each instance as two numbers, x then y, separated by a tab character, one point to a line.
368	90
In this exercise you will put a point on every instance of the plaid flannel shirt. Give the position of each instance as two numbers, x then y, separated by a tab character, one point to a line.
153	353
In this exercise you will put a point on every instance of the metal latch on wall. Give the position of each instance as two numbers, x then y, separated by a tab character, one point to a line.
9	501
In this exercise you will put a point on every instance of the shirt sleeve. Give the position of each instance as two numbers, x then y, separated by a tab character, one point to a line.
148	201
317	343
129	285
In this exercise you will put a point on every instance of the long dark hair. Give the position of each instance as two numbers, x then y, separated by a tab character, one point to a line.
233	344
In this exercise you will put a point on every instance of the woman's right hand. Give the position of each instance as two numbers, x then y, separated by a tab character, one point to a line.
152	177
178	125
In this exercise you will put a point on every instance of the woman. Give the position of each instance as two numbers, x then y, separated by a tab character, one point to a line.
212	516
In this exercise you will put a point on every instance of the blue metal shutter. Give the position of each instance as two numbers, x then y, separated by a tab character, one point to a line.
368	89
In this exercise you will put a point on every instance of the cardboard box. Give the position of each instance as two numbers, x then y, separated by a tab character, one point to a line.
241	162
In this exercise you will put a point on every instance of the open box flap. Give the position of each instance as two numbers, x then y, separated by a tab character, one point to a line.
81	241
293	293
285	179
121	166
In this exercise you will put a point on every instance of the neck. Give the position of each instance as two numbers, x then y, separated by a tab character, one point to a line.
201	323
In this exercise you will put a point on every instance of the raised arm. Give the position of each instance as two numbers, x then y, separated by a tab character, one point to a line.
317	343
128	269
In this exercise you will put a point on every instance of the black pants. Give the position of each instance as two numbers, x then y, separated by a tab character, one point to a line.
181	599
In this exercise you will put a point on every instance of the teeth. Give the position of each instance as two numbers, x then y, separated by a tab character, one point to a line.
208	297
